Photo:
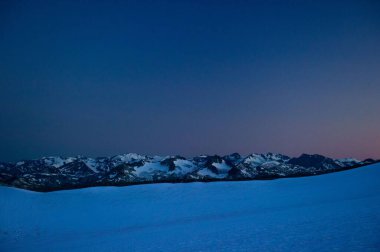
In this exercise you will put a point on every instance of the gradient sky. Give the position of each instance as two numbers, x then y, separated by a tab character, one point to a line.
99	78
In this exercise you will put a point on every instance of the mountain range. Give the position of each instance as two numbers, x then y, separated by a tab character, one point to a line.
58	173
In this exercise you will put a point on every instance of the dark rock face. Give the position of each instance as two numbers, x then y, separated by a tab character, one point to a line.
211	161
170	162
316	161
57	173
235	173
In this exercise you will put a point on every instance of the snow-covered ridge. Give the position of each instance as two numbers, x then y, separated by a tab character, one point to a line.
54	173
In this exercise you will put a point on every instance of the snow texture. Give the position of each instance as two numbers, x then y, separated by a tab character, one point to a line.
334	212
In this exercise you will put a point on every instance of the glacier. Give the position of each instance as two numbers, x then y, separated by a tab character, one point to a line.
332	212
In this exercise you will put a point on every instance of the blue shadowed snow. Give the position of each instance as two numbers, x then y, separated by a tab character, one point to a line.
339	211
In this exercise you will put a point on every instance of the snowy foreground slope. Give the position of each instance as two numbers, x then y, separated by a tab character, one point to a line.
338	211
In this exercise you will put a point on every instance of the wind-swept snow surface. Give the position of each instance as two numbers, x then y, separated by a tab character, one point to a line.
333	212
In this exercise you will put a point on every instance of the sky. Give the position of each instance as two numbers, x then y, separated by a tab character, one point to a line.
100	78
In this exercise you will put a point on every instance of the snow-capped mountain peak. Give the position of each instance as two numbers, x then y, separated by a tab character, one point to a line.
54	173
